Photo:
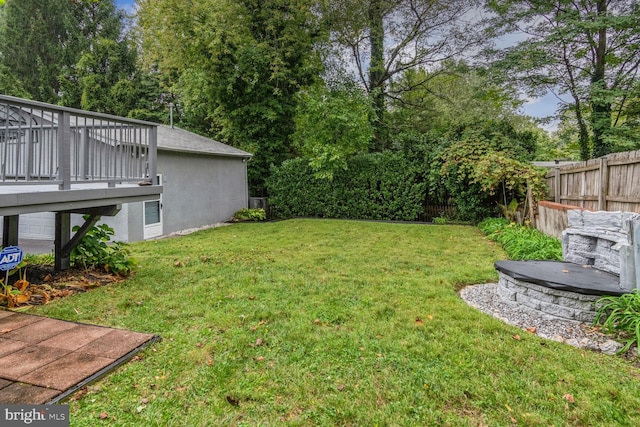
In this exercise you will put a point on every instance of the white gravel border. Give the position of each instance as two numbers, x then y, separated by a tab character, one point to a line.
486	299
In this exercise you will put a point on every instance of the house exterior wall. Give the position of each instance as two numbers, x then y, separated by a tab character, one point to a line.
200	189
119	223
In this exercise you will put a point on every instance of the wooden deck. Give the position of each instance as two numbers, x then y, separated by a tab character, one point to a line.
23	200
63	160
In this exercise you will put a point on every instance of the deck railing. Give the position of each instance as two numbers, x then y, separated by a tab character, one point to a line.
47	144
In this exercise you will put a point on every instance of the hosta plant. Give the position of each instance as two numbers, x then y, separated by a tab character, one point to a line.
621	316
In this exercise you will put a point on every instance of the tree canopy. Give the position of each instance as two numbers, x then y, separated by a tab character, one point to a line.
381	40
237	65
588	52
76	53
328	81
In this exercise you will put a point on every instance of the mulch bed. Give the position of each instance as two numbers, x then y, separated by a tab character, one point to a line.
39	284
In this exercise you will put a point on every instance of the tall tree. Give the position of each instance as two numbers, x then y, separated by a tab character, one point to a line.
450	96
237	66
35	45
585	50
73	52
105	79
105	60
332	124
381	40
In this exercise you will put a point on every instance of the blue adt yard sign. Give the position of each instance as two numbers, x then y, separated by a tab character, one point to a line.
10	257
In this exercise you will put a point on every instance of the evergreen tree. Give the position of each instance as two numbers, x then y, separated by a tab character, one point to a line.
37	42
236	66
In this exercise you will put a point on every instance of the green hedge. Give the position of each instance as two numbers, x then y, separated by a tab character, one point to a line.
379	186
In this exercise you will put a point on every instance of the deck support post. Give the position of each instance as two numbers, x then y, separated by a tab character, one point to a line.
65	244
10	230
62	237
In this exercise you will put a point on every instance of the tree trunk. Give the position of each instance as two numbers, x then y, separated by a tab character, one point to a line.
583	135
377	72
600	106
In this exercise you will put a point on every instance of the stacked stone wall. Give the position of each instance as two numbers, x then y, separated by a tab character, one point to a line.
553	303
604	240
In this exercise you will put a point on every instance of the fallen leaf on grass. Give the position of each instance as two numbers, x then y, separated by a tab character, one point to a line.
232	401
103	416
569	398
419	321
254	328
516	337
79	394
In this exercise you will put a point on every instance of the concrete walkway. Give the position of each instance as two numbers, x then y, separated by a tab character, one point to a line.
45	360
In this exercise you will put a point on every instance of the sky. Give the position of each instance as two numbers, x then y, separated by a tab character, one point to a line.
126	4
539	107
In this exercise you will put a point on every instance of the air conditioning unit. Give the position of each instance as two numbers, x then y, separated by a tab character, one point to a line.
259	203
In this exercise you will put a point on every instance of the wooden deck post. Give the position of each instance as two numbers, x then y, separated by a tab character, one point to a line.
64	150
63	235
10	230
153	154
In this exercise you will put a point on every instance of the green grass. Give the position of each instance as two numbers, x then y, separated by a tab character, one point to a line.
314	322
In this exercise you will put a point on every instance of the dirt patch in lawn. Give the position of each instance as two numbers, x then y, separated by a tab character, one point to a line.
39	284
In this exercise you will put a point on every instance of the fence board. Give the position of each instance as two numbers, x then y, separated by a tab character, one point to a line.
610	183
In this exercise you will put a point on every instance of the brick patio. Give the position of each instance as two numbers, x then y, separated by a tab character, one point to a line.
44	360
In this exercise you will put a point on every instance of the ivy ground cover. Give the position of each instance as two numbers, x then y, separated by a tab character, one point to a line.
326	322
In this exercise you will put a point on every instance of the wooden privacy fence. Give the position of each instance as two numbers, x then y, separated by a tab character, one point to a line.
609	183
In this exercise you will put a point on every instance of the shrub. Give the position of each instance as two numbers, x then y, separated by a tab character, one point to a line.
479	172
96	250
621	316
522	242
380	186
246	214
440	220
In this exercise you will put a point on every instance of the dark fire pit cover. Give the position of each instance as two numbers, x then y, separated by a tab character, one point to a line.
564	276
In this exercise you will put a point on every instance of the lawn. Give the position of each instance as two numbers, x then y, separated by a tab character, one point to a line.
321	322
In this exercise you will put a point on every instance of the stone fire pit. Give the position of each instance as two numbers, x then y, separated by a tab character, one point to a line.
599	258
